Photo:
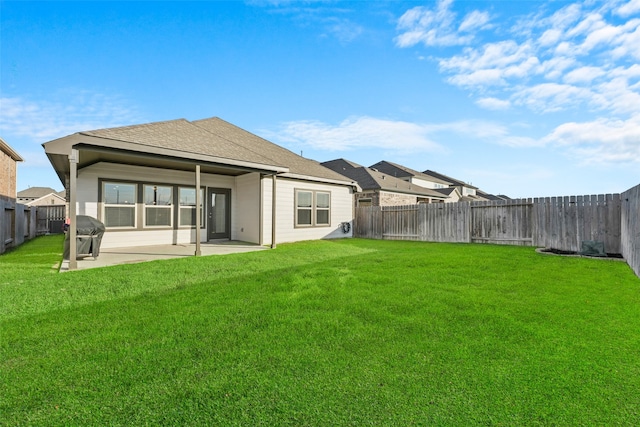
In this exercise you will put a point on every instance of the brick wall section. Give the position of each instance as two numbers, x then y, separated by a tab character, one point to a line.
8	176
396	199
385	198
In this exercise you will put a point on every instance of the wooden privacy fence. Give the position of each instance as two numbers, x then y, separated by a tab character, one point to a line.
50	219
630	229
556	222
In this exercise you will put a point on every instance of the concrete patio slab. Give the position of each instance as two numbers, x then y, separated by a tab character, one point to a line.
132	255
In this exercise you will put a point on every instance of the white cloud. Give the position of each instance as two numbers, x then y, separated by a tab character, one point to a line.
550	97
628	42
494	103
400	136
581	58
550	37
493	64
601	141
583	75
628	8
436	27
65	114
474	20
358	132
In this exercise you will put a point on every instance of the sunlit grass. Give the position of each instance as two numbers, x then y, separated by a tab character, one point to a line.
351	332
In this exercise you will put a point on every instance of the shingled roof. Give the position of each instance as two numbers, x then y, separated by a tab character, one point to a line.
180	135
453	181
217	138
35	192
369	179
400	171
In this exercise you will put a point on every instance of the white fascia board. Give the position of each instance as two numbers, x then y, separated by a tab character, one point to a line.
322	180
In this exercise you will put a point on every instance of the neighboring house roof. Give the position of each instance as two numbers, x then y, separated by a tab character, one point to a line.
446	191
35	192
488	196
400	171
216	143
369	179
339	165
48	197
448	178
6	148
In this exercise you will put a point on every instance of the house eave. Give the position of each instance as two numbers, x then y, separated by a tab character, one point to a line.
318	179
93	150
10	151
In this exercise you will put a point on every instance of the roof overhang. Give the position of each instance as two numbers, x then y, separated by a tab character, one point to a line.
92	150
353	184
10	151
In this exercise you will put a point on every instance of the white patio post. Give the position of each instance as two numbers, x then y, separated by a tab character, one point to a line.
198	218
273	213
73	170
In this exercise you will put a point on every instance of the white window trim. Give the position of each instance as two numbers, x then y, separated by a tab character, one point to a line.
145	206
191	208
314	209
106	205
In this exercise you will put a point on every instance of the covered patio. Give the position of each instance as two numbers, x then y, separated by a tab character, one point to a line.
137	254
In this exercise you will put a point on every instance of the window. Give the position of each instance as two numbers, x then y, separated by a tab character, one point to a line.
304	208
187	209
158	206
119	204
323	204
313	208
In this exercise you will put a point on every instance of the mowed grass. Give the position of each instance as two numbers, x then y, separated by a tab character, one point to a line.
324	333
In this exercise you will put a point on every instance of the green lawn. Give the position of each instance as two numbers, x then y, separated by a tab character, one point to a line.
326	333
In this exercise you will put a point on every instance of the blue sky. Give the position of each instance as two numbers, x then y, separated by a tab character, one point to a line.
524	98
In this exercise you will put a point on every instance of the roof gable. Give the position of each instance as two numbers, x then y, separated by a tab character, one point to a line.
181	135
339	165
35	192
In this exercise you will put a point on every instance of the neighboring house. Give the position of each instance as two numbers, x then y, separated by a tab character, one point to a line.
15	219
38	196
492	197
141	181
467	190
413	176
8	171
379	189
51	199
452	193
437	181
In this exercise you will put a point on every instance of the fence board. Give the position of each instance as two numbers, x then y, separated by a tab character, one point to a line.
630	227
50	218
553	222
